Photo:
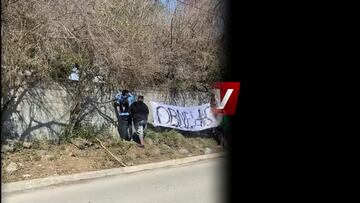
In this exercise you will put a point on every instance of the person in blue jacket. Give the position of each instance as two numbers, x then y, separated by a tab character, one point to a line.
122	106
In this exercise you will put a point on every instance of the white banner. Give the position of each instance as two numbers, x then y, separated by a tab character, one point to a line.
184	118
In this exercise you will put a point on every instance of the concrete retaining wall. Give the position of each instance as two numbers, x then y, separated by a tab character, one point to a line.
43	111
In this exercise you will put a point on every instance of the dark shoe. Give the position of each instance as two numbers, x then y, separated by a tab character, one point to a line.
141	146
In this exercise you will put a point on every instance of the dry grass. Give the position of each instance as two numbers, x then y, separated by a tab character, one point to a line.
45	159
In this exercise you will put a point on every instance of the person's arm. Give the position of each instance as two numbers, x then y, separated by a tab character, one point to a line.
131	110
118	108
146	109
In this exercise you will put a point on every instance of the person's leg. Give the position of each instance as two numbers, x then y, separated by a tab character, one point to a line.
141	136
140	132
145	128
124	127
130	128
119	121
135	135
127	129
119	126
144	125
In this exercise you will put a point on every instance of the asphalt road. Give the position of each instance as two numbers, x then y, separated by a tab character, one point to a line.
196	182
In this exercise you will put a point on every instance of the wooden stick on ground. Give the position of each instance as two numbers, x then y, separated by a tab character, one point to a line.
117	159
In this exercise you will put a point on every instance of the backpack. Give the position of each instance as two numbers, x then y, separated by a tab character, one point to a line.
124	105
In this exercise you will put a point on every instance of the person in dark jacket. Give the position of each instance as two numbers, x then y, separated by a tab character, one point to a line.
122	105
139	114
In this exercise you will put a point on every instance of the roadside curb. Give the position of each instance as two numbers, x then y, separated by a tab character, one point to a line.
52	180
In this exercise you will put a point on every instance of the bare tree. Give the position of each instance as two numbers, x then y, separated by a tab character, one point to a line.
131	43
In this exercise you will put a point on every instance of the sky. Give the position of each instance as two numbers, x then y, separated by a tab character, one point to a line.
170	4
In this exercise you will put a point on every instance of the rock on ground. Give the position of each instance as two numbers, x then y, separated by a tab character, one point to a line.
10	142
207	150
149	141
156	151
132	156
27	145
72	154
49	157
42	152
165	146
12	167
81	143
7	148
184	151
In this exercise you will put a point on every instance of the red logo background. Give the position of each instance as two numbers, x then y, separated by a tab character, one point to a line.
230	107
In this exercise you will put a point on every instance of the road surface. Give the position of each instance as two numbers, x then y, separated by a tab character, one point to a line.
196	182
